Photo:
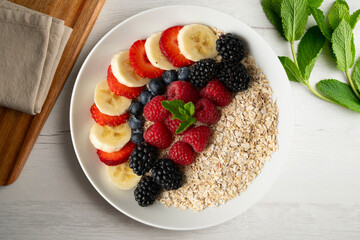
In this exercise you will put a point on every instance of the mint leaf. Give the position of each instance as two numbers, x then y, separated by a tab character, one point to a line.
294	18
173	106
354	18
190	108
340	92
315	3
343	46
338	12
343	2
309	49
184	125
291	70
180	110
356	75
320	20
272	11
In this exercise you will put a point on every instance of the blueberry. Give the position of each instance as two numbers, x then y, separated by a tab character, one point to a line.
137	137
145	97
136	108
169	76
183	73
157	86
136	122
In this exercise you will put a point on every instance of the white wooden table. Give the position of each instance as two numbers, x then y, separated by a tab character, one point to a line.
316	197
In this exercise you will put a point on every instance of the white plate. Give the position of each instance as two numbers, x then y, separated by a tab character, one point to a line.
94	70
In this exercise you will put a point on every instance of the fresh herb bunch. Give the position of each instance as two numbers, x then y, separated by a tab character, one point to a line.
182	111
290	18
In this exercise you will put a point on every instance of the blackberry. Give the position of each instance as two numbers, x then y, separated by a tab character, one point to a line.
234	76
167	174
142	158
202	72
231	48
146	191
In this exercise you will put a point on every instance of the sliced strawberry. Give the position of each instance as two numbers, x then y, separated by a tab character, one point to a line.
116	158
120	89
141	63
104	119
170	48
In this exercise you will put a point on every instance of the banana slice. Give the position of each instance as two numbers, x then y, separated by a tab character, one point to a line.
154	54
122	176
110	139
124	72
197	42
109	103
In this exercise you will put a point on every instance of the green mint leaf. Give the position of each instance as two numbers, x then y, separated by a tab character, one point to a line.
343	2
272	11
173	106
356	75
309	49
338	12
320	20
184	125
354	18
182	111
340	92
315	3
343	46
190	108
291	70
294	18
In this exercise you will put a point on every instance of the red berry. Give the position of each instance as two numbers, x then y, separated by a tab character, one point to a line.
173	124
216	92
154	111
170	48
104	119
141	63
158	135
206	112
120	89
182	90
198	137
181	153
116	158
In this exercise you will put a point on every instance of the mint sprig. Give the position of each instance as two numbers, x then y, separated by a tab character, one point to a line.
182	111
293	16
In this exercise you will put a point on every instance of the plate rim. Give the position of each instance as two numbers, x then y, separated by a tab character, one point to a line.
103	38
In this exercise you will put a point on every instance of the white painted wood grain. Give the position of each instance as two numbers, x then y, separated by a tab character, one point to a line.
316	197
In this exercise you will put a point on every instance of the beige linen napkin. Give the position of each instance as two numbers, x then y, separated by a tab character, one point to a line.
31	82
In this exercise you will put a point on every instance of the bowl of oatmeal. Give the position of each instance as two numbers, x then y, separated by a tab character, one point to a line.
249	144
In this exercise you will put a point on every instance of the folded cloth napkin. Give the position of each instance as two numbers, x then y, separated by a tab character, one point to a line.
30	50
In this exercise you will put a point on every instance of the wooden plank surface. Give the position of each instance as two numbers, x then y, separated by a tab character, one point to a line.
19	131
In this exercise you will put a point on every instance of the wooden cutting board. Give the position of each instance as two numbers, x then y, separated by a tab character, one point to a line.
19	131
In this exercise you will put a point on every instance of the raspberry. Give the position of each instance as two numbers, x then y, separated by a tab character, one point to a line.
182	90
158	135
216	92
181	153
198	137
206	112
104	119
154	111
173	124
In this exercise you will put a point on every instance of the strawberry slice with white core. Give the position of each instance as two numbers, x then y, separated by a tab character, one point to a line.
140	61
